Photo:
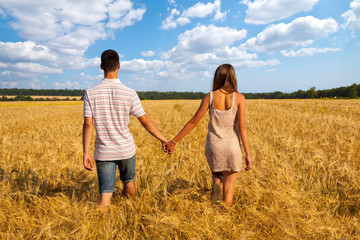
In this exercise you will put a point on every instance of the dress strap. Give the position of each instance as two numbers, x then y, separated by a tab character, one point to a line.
211	99
234	98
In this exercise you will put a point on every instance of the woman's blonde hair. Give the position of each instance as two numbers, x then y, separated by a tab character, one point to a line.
225	78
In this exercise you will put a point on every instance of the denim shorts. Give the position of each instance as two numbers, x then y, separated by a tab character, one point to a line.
106	171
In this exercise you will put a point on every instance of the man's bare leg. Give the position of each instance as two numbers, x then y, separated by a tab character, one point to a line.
129	189
105	200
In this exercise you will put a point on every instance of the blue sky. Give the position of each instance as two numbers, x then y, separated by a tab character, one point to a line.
172	45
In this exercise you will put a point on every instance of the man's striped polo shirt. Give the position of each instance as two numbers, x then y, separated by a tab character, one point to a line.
110	104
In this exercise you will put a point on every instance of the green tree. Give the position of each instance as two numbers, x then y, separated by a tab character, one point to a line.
353	91
311	93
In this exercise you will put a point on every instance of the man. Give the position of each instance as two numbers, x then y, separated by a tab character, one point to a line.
109	105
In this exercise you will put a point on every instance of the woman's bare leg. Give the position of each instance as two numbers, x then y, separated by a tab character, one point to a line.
229	187
217	179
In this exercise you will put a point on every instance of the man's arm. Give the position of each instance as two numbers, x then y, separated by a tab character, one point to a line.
150	126
87	133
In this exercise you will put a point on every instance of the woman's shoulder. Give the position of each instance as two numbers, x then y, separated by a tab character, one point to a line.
240	99
207	96
240	96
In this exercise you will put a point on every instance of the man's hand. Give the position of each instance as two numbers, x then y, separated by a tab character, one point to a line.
170	147
163	146
88	163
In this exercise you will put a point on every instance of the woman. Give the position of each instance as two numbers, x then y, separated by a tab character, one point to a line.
226	128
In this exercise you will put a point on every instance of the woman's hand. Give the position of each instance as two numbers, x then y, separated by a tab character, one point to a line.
170	147
248	163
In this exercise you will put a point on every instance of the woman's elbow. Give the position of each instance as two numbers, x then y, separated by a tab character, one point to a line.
193	123
242	129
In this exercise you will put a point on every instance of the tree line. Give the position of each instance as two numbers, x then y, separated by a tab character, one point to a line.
154	95
41	92
352	91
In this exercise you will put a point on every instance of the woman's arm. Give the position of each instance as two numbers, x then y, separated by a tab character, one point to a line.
243	130
190	125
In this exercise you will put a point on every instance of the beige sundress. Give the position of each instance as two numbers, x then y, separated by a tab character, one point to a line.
222	148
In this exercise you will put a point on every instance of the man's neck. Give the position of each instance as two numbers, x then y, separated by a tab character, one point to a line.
111	75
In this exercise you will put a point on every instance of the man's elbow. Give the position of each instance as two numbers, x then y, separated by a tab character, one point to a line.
87	126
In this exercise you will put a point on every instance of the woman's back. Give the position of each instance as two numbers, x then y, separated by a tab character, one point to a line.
222	100
223	111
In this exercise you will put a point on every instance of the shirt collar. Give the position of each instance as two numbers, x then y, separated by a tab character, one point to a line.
110	80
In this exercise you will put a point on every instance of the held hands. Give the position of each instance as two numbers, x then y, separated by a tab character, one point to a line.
169	147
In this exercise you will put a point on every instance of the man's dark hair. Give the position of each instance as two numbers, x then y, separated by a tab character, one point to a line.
109	60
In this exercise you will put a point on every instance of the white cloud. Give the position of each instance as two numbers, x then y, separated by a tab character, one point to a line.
137	80
353	16
78	62
11	79
25	51
17	75
2	13
308	52
198	50
202	40
29	67
88	77
147	53
122	14
44	20
301	32
143	66
266	11
199	10
169	22
207	74
67	84
88	80
256	63
93	62
172	2
5	73
9	84
62	31
76	42
37	84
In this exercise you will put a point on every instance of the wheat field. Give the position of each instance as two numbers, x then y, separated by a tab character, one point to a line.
304	183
